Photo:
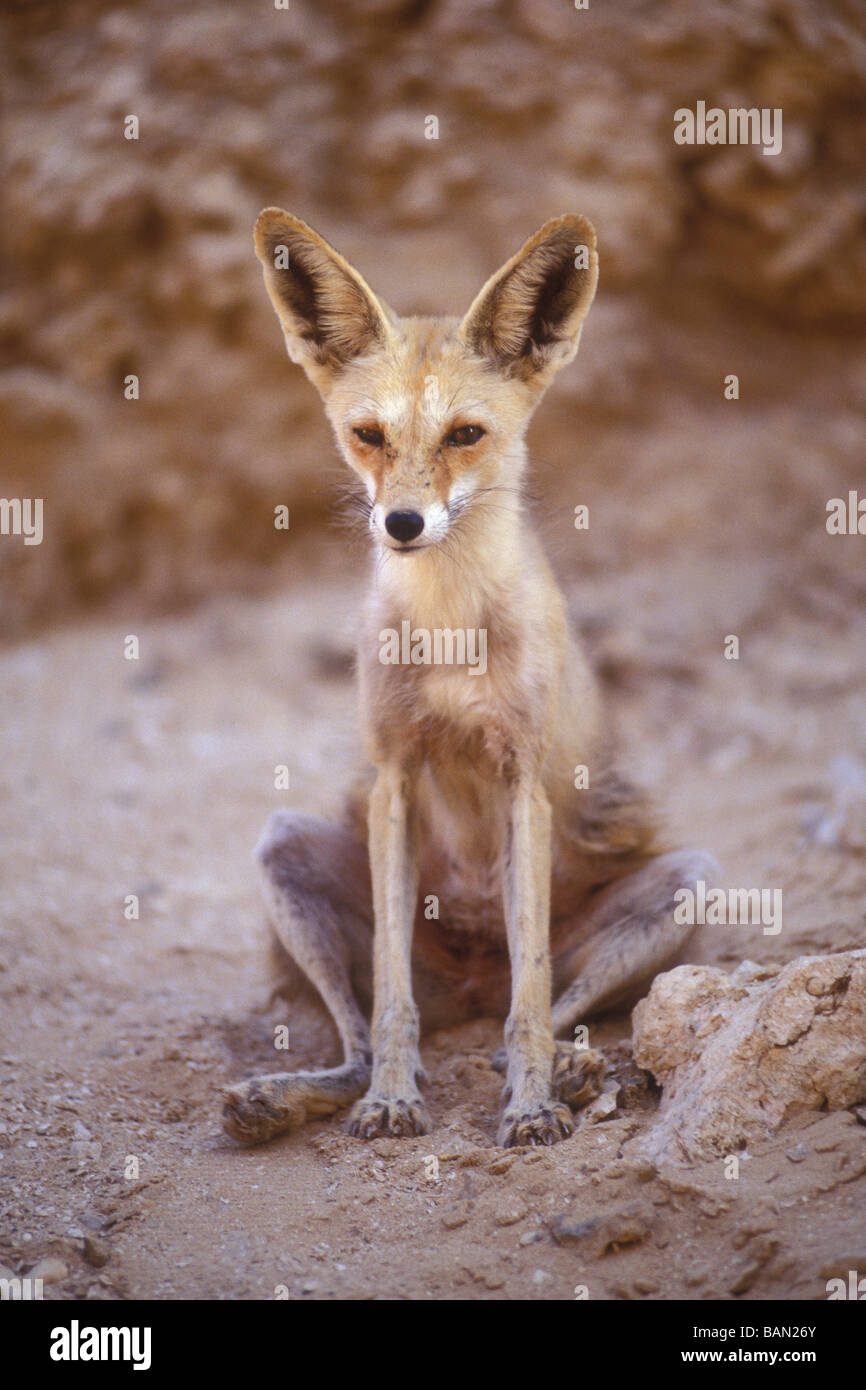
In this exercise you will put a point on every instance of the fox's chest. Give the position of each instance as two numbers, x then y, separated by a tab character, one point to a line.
463	787
457	699
463	823
458	726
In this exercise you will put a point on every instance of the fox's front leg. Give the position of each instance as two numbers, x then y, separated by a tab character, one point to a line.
393	1104
532	1115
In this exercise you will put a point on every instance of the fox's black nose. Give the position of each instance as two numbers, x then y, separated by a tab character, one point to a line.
404	526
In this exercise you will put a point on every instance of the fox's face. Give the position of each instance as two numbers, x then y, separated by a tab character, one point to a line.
428	428
429	412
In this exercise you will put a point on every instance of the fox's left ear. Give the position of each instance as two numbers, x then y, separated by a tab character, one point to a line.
528	317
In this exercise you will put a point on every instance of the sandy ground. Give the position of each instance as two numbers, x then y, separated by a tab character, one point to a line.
153	777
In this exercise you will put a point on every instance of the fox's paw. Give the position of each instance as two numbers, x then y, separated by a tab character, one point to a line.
376	1117
543	1124
256	1110
577	1076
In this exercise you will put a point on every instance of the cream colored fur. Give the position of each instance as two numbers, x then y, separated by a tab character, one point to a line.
472	797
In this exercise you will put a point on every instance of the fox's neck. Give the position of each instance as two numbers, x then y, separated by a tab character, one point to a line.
459	583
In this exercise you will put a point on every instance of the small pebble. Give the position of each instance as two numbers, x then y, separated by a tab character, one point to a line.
95	1251
602	1107
509	1216
49	1270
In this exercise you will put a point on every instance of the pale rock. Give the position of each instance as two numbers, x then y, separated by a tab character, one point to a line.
737	1055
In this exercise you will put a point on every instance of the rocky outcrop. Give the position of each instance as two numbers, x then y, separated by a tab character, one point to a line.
737	1055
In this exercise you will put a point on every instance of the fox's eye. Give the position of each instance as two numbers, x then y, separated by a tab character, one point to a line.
368	435
464	435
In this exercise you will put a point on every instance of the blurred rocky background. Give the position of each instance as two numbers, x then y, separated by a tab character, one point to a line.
135	257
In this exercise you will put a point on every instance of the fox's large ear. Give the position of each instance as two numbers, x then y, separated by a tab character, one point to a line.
328	313
528	317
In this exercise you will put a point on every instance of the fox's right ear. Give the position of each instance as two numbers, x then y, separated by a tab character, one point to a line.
328	312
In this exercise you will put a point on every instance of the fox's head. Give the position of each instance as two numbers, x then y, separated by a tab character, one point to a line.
429	412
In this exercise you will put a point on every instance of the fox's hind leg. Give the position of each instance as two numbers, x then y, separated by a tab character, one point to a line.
317	888
625	936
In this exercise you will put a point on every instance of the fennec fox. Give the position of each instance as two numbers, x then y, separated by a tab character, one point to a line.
543	890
